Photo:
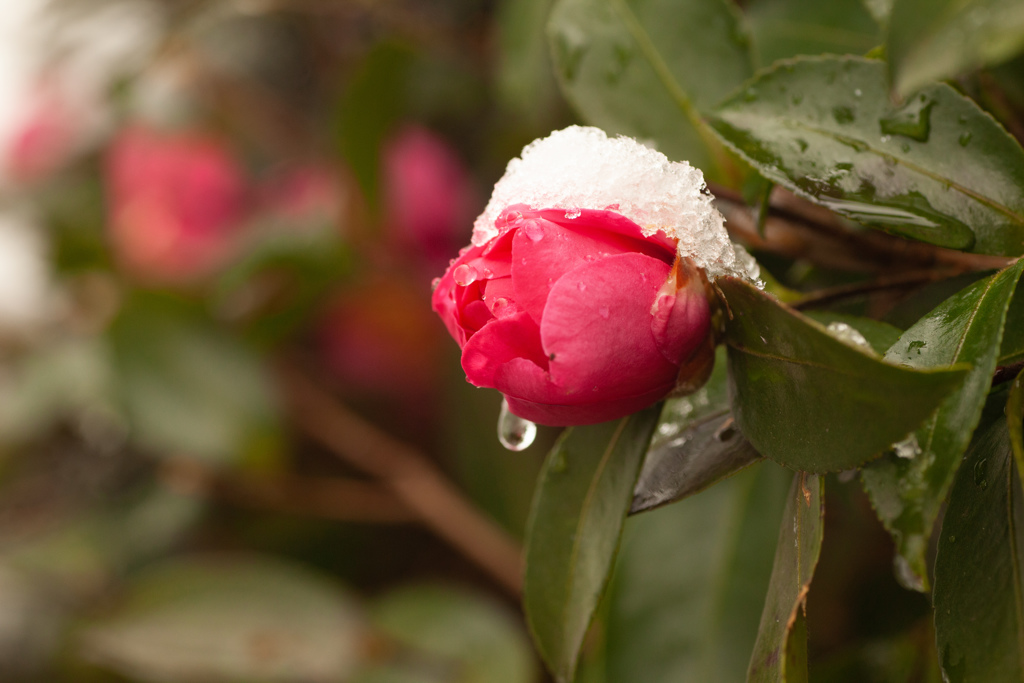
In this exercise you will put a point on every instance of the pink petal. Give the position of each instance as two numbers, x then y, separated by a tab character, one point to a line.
611	221
543	251
515	338
582	414
596	328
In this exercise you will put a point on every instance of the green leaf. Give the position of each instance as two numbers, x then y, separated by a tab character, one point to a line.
780	653
525	80
649	68
690	582
1014	419
188	388
1012	349
879	9
810	401
573	533
979	612
228	619
938	169
786	28
457	629
907	493
880	335
694	446
931	40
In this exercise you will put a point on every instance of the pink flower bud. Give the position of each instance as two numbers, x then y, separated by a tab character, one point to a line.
428	198
175	203
576	316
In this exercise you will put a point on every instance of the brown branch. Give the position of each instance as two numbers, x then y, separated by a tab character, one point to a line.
1005	373
346	500
420	485
799	229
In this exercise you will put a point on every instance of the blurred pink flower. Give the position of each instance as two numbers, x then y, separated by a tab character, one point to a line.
428	197
381	337
44	138
175	202
310	193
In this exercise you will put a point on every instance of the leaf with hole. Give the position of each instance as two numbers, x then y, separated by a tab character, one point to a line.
694	446
780	652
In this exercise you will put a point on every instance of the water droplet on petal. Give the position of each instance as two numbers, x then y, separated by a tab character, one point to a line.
573	213
533	230
434	283
514	432
464	275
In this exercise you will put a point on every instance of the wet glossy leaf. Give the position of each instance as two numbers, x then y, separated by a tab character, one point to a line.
979	612
611	55
786	28
908	492
573	533
880	335
690	582
228	619
931	40
694	446
780	653
810	401
476	638
938	169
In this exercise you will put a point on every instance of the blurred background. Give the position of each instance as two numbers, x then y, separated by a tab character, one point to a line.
235	442
219	370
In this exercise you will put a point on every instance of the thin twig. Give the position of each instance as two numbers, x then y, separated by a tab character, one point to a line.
420	485
897	281
334	498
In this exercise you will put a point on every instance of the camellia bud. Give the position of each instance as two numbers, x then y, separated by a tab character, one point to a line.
588	301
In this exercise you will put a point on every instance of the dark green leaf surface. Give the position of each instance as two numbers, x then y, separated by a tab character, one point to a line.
694	446
648	68
908	492
810	401
937	169
1015	420
1012	349
931	40
786	28
573	533
689	583
979	611
780	653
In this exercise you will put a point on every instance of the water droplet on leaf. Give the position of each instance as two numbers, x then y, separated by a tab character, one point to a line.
912	120
842	114
980	476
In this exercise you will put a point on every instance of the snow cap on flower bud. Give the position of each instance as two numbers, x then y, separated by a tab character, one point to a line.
584	297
